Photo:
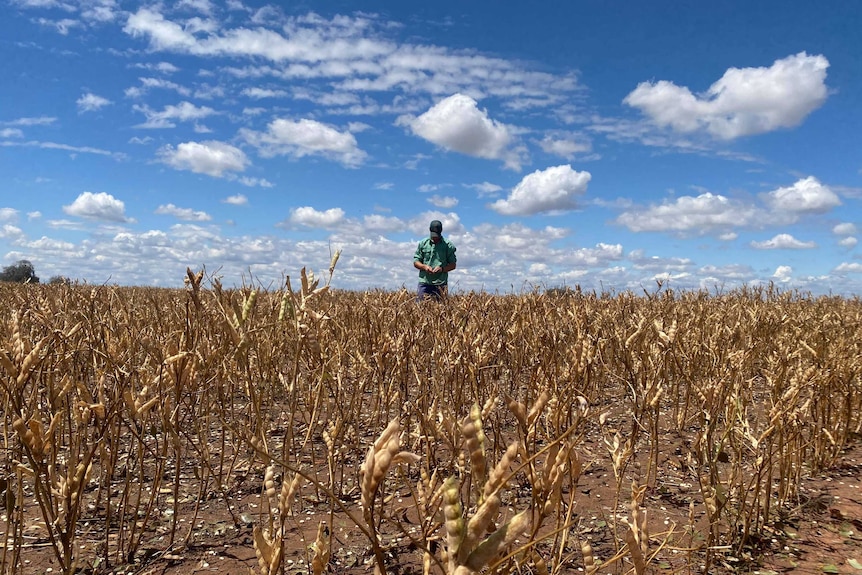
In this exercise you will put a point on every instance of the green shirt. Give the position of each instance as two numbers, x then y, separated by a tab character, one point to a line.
434	255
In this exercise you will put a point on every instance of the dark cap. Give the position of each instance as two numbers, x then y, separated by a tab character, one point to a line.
436	228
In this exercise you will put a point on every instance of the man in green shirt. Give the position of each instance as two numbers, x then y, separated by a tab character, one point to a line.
434	258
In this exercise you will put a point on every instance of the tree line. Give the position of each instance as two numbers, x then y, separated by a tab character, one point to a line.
23	272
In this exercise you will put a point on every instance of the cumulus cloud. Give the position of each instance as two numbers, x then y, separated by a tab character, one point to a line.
554	189
8	231
186	214
11	133
8	215
98	206
706	213
456	123
783	242
91	102
783	274
743	102
848	267
805	196
305	138
600	255
237	200
844	229
848	242
211	158
443	202
308	216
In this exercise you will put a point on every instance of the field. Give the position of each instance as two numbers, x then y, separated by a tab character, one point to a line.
308	430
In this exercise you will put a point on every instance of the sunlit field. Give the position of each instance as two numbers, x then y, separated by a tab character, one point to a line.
305	429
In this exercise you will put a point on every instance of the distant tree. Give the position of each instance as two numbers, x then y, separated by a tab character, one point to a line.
59	280
21	272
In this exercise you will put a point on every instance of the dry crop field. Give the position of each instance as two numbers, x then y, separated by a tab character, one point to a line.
308	430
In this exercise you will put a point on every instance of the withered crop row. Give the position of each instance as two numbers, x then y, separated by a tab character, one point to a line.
111	395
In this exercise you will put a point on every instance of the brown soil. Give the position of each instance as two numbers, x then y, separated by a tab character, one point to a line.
822	534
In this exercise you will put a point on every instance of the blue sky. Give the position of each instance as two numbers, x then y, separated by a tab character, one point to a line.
608	145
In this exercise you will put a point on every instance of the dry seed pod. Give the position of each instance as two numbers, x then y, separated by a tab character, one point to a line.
538	407
479	523
454	521
518	410
321	549
495	543
474	438
635	551
500	473
269	481
288	492
268	551
489	406
380	457
589	559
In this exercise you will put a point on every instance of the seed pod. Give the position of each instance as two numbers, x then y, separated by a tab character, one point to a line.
454	521
498	541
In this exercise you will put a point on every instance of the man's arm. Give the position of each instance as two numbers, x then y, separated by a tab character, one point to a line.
421	267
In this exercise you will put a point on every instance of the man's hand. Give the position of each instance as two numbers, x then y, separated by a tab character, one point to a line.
436	270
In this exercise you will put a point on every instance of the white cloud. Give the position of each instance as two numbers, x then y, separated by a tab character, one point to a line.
183	112
382	224
783	274
11	133
261	93
566	145
39	121
848	242
805	196
150	83
305	138
844	229
90	102
743	102
485	188
186	214
98	206
62	26
783	242
11	232
706	213
658	264
308	216
456	123
237	200
849	267
443	202
597	256
8	215
255	182
355	56
551	190
211	158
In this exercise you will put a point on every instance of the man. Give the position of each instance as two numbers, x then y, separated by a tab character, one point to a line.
434	258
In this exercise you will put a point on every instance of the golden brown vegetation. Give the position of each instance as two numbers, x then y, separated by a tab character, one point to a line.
462	427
